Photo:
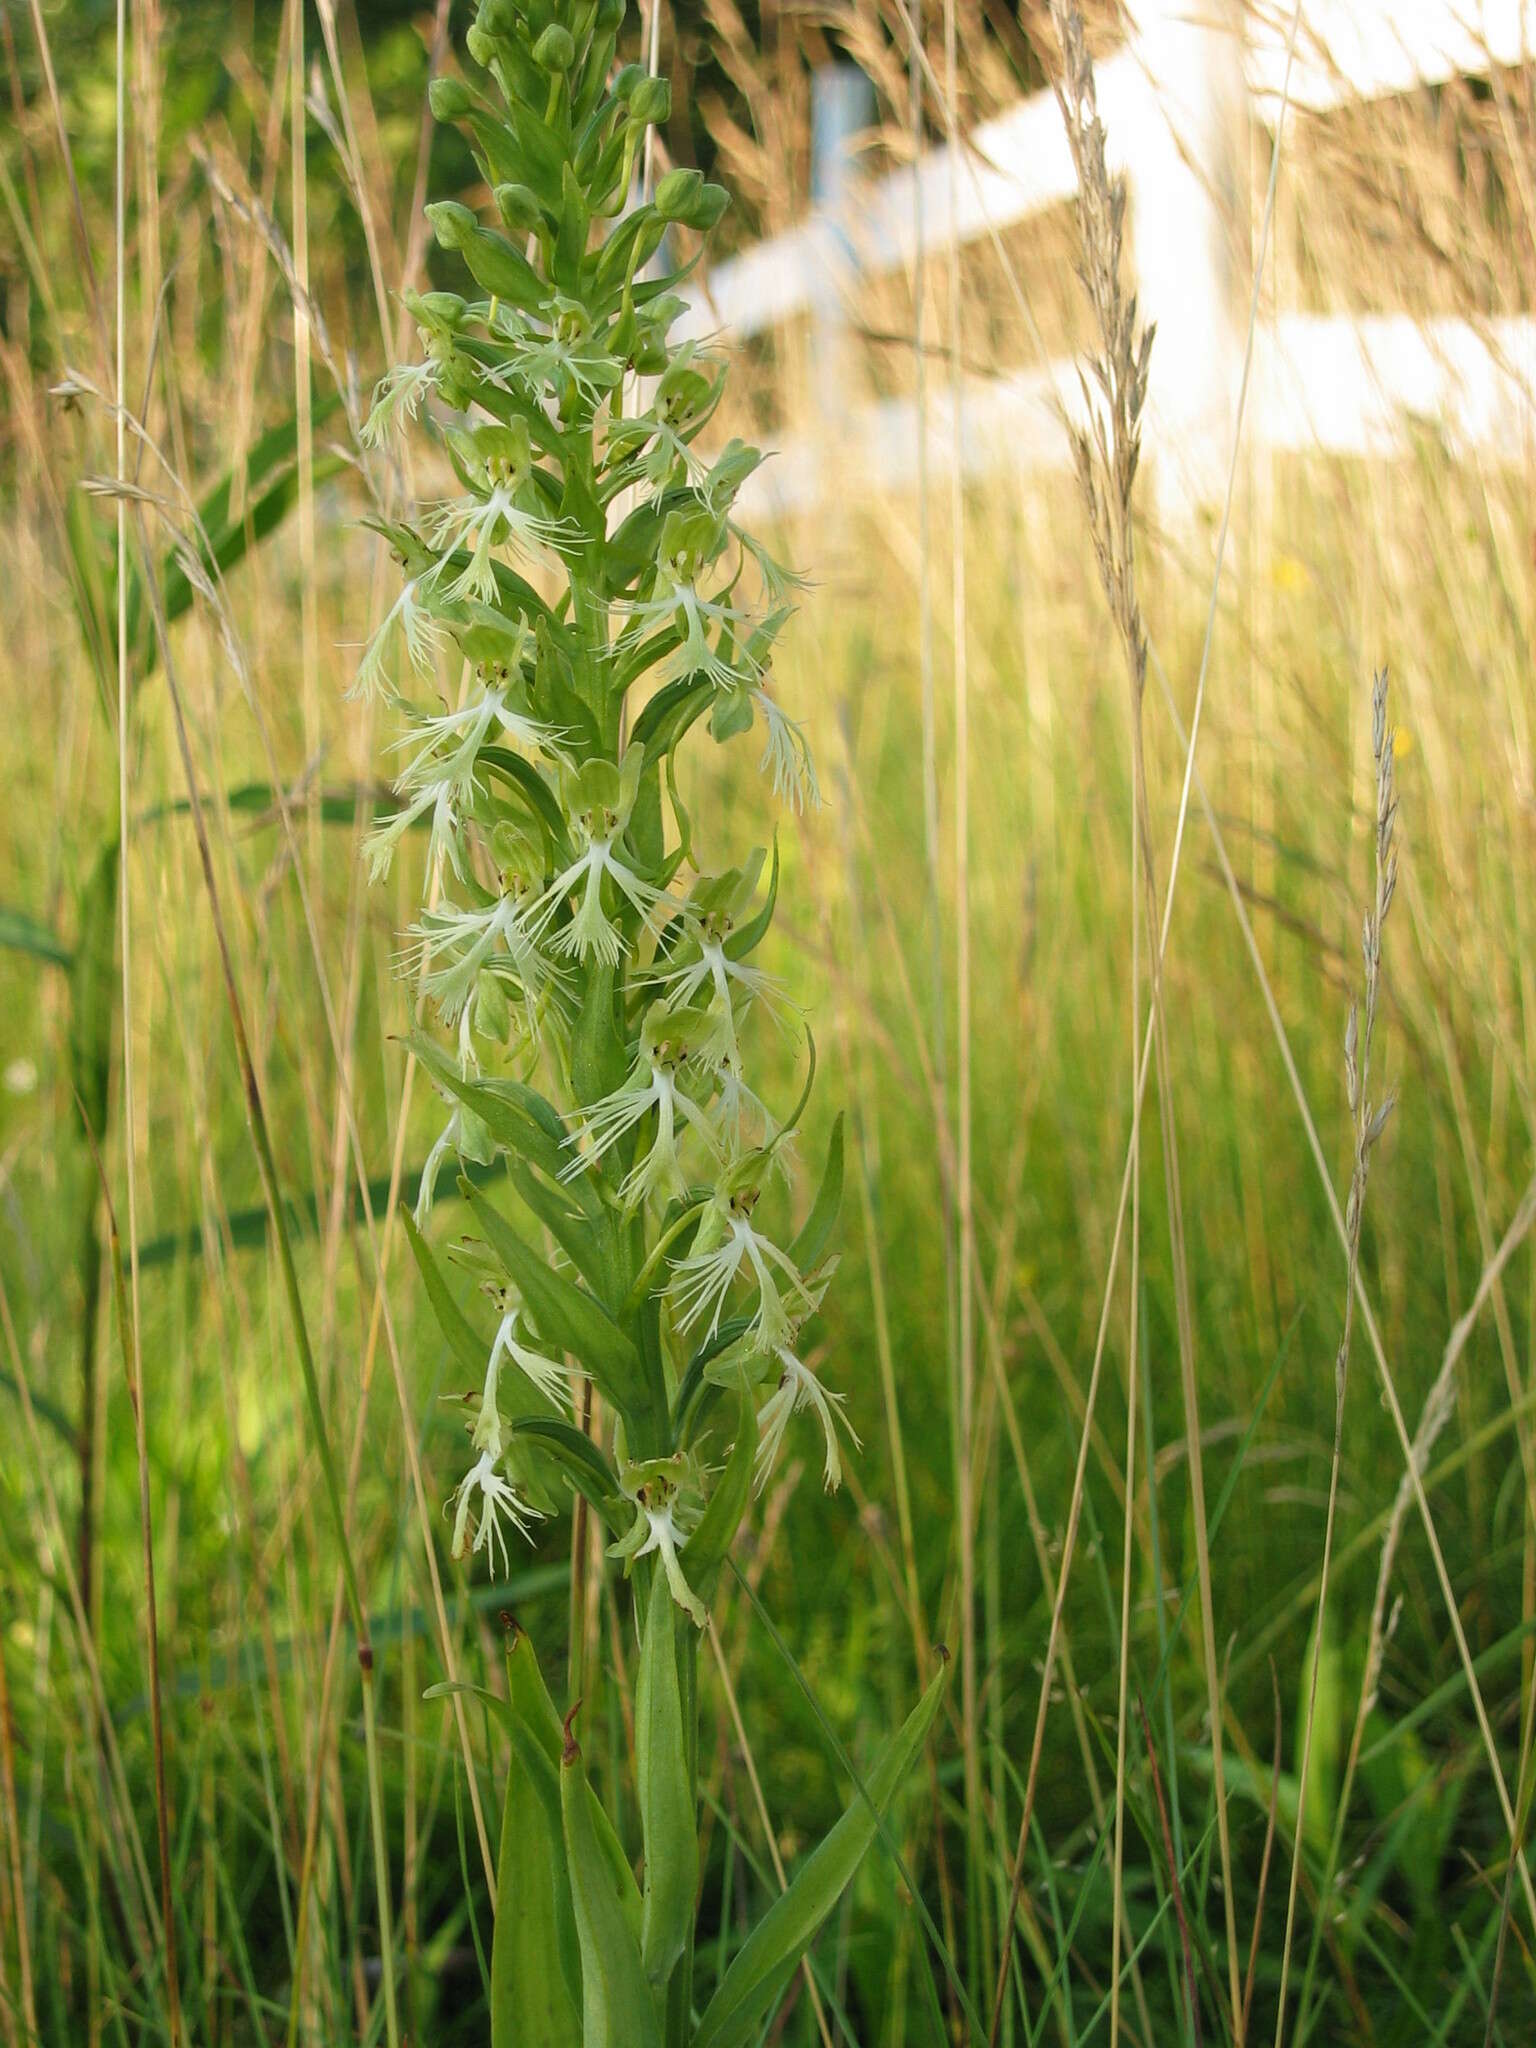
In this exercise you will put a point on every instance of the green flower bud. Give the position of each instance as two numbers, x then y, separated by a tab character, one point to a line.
449	99
443	310
453	225
610	15
677	193
519	209
707	208
555	50
650	102
628	79
496	17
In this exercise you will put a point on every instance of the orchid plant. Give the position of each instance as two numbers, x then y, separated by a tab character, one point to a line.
591	958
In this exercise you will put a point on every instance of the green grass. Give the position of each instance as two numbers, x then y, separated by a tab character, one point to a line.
1420	564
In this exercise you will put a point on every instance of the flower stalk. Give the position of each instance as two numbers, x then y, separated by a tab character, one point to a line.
593	971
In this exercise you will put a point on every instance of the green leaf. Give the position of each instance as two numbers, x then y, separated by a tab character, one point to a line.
270	479
818	1227
710	1544
534	1707
667	1818
582	1460
450	1688
530	785
617	2009
752	934
766	1960
471	1351
566	1315
535	1956
93	990
516	1116
1320	1794
575	1235
22	934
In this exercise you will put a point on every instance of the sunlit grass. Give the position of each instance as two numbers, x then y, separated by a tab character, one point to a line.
1422	564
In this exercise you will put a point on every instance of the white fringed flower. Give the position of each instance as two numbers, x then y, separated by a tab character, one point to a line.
799	1388
591	931
550	1377
652	1084
497	1496
473	939
410	619
730	1250
397	399
665	1497
480	526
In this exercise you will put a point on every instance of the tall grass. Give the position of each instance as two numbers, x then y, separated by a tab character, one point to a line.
1408	1654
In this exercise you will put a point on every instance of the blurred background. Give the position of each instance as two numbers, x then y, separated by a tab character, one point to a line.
1337	477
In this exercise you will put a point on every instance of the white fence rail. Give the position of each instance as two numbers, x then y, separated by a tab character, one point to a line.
1175	102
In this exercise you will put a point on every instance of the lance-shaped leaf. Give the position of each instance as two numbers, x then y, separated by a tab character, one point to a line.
535	1955
766	1960
818	1227
710	1543
533	1706
617	2009
667	1818
576	1236
516	1116
581	1460
20	933
535	1952
566	1316
534	791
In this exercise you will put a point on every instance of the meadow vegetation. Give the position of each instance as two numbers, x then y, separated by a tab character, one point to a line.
1413	1918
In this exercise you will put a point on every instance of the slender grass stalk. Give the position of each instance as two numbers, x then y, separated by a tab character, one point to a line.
9	1814
135	1383
1370	1120
309	651
1132	1386
139	1899
127	1301
1411	1487
965	1216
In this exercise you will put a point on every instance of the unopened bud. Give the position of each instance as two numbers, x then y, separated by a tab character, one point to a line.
555	50
676	193
449	99
453	225
651	101
707	208
519	208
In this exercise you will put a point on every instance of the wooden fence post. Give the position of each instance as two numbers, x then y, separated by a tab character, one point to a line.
842	108
1183	144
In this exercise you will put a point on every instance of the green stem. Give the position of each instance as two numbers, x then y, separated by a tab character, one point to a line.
679	2015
